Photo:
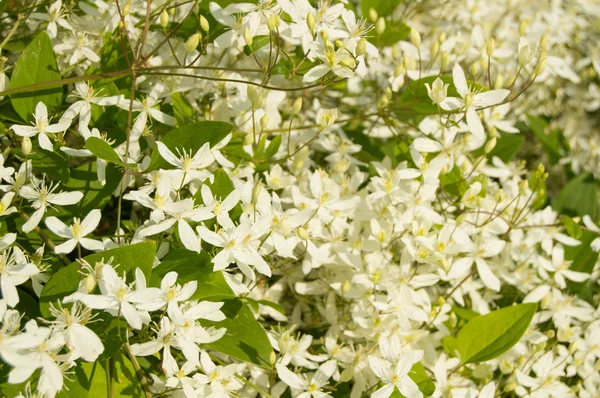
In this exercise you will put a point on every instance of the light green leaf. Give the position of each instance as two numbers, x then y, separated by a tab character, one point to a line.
66	280
190	137
245	338
36	64
418	374
184	113
101	149
487	336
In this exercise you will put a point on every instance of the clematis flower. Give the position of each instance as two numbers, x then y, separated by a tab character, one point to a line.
75	234
41	127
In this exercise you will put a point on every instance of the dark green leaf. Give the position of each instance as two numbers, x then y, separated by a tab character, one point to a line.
184	113
36	64
103	150
578	197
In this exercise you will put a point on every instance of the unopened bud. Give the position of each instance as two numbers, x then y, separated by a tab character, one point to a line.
345	286
373	14
490	46
523	28
415	37
90	283
302	233
539	68
499	82
348	62
361	47
523	186
264	120
310	21
399	70
474	68
348	373
272	358
192	42
126	9
204	24
445	59
544	42
248	37
164	18
489	146
297	105
26	146
435	48
380	26
272	22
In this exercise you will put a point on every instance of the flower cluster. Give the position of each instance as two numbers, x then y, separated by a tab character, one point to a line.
286	198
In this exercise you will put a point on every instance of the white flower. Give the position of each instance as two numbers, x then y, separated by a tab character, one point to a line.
14	271
437	91
83	342
41	127
83	107
5	204
560	267
75	234
309	387
55	16
43	197
393	369
471	101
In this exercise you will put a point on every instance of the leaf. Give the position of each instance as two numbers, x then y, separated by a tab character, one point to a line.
101	149
191	266
383	7
245	338
51	163
464	313
273	147
190	137
550	138
507	146
66	280
95	195
184	113
123	379
578	197
258	42
487	336
36	64
454	183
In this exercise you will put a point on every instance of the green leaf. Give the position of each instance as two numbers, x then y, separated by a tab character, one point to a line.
184	113
383	7
122	378
258	42
273	147
507	146
245	338
95	195
101	149
192	266
393	33
578	197
36	64
52	164
190	137
66	280
550	138
454	183
464	313
487	336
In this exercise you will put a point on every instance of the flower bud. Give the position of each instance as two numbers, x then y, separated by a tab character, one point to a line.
204	24
248	37
310	21
348	62
272	22
499	82
544	42
489	146
539	68
347	375
523	28
437	91
297	105
489	47
302	233
272	358
445	59
192	42
435	48
126	9
164	18
380	26
523	186
361	47
399	70
373	14
264	120
474	68
26	146
415	37
90	283
345	288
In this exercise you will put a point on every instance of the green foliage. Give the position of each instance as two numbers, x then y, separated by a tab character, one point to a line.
102	150
418	374
487	336
51	163
190	137
36	65
551	138
578	197
258	42
184	113
66	280
245	338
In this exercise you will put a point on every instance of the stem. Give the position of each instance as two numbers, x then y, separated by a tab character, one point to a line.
138	370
